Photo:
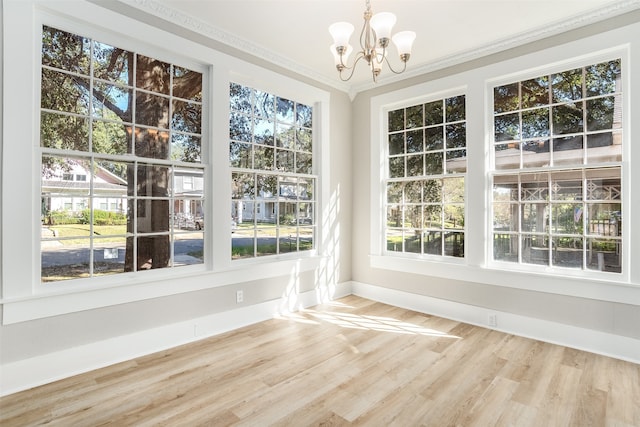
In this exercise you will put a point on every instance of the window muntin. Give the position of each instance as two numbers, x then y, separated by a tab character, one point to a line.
132	126
557	187
273	194
425	187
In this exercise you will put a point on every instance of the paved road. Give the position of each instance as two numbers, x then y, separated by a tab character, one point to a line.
56	254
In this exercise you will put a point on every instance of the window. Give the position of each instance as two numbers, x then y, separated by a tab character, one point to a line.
557	155
273	199
126	125
425	206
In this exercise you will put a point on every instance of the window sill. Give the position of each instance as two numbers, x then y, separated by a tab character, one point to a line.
80	296
578	286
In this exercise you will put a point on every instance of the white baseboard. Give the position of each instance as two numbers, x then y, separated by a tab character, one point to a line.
24	374
603	343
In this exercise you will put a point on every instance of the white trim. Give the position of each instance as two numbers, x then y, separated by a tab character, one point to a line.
611	345
24	374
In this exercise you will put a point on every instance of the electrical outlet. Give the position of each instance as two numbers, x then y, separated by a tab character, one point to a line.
239	296
492	320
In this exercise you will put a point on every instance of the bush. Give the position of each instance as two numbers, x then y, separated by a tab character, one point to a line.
61	218
101	217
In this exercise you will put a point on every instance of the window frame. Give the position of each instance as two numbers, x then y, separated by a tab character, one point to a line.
575	62
386	178
23	296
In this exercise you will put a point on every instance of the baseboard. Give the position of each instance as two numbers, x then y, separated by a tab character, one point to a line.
606	344
39	370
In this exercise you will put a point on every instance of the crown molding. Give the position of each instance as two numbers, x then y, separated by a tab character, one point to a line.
159	10
174	16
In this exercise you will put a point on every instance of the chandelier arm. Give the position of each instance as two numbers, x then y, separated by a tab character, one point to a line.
352	68
391	68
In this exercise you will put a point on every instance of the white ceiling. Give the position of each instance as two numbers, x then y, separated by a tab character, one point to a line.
294	32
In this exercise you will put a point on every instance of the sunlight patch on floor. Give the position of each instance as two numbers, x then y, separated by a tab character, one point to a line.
364	322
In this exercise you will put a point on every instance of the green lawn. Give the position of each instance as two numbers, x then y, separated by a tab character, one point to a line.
69	231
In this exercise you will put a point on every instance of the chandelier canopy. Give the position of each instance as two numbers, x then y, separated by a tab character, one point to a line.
374	40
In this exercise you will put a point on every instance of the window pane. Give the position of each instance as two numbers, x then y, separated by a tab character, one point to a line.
285	136
188	249
152	215
240	98
507	156
108	256
434	138
64	132
65	51
112	102
265	105
605	219
604	147
566	185
432	191
505	216
396	167
242	186
415	165
414	117
304	140
304	115
153	180
152	75
394	192
603	78
263	157
535	218
535	92
264	132
604	255
505	247
535	123
110	138
152	110
394	216
432	242
433	164
394	240
284	110
456	161
151	143
304	163
413	242
507	127
567	86
506	98
536	154
64	92
415	141
158	246
456	136
600	113
113	64
454	244
240	127
567	118
604	184
73	262
433	216
396	120
455	108
434	113
453	216
567	252
413	192
187	117
535	249
186	148
187	84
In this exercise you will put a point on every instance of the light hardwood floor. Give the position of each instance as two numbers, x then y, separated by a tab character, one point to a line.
351	362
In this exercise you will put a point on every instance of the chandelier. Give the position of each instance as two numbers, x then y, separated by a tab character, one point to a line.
374	40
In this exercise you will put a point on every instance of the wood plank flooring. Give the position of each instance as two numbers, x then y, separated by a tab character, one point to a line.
350	362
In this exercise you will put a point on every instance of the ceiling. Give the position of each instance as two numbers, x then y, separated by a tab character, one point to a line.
293	33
